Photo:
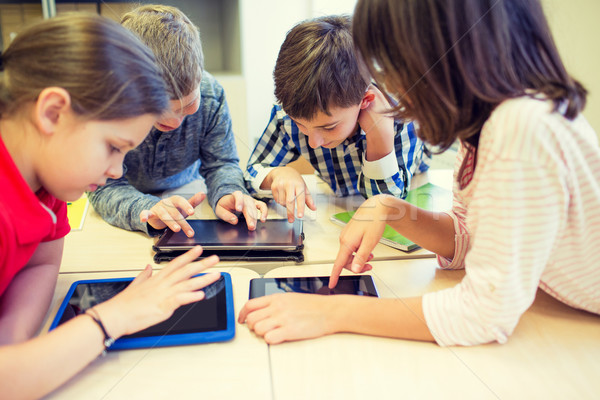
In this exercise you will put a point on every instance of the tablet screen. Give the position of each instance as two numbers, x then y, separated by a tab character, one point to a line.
273	234
207	315
361	285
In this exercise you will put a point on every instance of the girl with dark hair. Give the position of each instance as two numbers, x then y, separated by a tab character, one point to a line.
526	210
76	94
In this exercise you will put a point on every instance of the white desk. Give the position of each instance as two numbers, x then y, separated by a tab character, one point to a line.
554	352
100	247
229	370
322	235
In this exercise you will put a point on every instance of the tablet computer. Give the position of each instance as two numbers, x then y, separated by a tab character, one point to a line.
361	285
205	321
274	239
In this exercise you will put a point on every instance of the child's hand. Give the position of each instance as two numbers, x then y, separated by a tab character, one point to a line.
237	202
289	316
360	236
377	125
290	190
151	299
172	212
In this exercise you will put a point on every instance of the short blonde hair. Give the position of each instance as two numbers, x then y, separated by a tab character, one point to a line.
175	41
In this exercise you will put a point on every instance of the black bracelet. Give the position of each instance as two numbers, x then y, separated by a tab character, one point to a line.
108	340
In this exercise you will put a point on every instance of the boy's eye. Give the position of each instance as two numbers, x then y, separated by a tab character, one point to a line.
330	128
114	149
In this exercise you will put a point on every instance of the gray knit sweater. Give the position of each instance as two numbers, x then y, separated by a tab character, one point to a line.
202	147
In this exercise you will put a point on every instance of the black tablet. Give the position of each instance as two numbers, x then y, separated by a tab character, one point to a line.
215	234
361	285
273	240
208	320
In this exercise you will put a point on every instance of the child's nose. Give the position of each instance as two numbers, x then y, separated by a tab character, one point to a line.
115	171
315	140
173	121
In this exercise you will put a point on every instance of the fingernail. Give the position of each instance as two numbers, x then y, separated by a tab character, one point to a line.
190	233
356	268
190	211
176	227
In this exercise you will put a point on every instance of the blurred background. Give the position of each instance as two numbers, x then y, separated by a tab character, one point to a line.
241	39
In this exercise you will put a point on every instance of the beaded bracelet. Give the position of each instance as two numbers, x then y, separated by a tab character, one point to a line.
108	340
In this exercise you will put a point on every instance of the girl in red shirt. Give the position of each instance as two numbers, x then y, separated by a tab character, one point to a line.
76	95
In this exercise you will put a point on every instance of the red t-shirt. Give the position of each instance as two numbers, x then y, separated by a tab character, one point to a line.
26	219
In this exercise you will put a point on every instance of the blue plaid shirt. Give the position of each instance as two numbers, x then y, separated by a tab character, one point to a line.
343	167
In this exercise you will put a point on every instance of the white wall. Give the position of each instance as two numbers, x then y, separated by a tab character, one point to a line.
264	23
576	28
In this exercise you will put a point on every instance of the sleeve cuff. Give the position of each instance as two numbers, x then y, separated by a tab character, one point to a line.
383	168
261	174
461	245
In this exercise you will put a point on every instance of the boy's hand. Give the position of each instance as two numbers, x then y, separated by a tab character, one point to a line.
289	190
377	125
360	236
230	205
172	212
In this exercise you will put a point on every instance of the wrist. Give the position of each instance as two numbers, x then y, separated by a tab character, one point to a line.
378	147
113	323
268	181
340	314
108	340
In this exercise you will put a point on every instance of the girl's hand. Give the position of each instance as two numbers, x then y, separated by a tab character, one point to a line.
172	213
237	202
290	190
362	233
151	299
290	316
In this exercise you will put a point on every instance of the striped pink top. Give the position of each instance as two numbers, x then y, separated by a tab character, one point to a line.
527	216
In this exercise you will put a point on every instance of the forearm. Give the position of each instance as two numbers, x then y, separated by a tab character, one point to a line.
395	318
223	180
433	231
379	144
120	205
38	366
25	303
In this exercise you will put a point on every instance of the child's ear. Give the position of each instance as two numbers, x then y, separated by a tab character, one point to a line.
368	98
51	103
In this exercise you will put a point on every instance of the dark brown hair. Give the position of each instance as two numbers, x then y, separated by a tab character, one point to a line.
316	68
451	62
107	71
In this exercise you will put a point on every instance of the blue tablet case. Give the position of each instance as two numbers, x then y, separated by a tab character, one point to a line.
220	293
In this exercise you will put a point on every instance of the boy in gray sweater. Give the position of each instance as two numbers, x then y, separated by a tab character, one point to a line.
193	141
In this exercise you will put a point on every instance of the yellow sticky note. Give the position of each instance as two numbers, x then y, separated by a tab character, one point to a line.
76	212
